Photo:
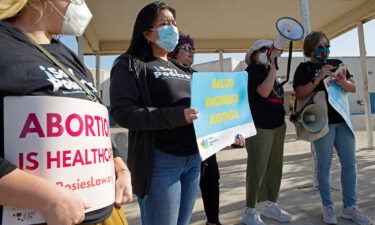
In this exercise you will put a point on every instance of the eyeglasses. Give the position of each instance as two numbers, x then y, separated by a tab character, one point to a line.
188	48
264	49
325	46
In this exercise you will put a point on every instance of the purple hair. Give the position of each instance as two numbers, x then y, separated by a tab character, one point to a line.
183	39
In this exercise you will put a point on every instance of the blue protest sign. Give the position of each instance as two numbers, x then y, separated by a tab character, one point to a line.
339	100
222	102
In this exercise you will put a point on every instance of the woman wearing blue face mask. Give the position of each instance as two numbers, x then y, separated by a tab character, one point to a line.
309	78
150	95
26	28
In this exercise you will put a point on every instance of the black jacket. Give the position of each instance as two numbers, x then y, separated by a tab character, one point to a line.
131	109
24	70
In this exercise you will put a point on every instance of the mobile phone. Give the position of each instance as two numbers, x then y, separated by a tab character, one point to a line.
341	71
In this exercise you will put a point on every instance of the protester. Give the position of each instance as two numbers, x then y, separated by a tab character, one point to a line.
266	148
184	51
309	78
22	73
150	95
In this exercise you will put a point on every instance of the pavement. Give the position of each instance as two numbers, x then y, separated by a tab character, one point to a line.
297	195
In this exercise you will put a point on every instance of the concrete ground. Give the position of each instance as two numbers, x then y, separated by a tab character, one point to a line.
296	195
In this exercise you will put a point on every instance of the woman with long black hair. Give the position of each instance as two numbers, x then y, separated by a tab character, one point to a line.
150	95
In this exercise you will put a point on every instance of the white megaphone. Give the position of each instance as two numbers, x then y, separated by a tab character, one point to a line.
313	118
289	30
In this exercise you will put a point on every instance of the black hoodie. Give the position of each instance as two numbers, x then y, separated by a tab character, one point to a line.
24	70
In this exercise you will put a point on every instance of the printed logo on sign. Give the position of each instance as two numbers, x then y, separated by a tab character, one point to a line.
207	143
204	143
168	73
24	215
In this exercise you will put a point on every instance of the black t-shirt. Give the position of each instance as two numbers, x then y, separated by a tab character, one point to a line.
304	74
170	86
267	112
24	70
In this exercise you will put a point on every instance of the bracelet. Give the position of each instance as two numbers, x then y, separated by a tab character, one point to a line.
123	169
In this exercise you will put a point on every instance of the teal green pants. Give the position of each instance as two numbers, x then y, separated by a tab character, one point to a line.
264	165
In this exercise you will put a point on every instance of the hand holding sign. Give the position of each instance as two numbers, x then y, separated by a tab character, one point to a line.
66	208
191	114
124	191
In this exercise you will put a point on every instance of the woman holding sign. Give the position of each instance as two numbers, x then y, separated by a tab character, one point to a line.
309	78
266	148
150	95
32	63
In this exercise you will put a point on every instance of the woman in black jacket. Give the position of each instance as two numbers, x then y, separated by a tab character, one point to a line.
150	95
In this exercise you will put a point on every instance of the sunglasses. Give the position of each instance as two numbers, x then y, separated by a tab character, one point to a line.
188	48
264	49
322	47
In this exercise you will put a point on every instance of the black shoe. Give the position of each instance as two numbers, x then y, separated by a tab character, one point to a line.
216	223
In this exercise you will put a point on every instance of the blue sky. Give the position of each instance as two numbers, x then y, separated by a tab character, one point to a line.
344	45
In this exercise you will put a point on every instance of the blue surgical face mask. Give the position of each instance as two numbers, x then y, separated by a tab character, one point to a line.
168	37
321	54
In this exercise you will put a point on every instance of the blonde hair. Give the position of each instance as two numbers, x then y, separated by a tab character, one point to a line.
11	8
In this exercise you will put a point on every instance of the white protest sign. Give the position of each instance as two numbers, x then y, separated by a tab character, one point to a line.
64	140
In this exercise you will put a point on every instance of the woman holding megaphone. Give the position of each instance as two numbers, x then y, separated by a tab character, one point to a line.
266	148
308	79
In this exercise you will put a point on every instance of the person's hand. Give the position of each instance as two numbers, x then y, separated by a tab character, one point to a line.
324	72
274	53
239	141
340	78
190	114
124	191
66	209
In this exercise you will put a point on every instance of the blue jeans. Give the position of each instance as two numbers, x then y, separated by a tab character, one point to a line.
341	137
173	190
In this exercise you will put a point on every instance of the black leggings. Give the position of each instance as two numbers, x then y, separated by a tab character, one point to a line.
209	185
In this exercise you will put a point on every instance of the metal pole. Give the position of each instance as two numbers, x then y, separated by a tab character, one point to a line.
221	60
80	48
362	50
305	16
97	73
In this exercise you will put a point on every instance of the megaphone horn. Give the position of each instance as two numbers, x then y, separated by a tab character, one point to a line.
313	118
289	29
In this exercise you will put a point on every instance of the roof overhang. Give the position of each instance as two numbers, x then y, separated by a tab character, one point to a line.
221	25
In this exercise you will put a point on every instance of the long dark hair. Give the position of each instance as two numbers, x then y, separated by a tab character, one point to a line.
139	46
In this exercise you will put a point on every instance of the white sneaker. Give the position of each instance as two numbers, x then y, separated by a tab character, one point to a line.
251	217
353	213
329	214
273	211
